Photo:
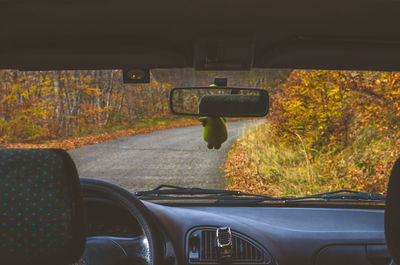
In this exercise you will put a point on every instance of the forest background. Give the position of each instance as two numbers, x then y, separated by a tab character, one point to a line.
327	129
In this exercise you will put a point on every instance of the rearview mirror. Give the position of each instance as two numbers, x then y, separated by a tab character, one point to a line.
219	101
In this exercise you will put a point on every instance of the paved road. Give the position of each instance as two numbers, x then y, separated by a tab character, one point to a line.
175	156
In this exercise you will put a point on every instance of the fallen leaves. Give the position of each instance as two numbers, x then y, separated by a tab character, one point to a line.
241	172
77	142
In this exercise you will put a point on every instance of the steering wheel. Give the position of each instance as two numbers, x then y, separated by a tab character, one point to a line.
107	250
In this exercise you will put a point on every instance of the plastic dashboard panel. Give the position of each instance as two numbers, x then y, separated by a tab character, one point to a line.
291	235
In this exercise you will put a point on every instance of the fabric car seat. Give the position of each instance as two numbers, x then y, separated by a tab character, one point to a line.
392	213
41	217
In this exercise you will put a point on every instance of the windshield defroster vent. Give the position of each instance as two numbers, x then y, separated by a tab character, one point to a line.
244	250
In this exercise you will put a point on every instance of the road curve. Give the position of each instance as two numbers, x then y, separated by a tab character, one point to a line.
174	156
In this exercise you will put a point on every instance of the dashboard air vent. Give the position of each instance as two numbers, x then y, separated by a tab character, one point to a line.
244	251
208	250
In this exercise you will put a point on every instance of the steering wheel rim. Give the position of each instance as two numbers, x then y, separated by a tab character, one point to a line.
136	208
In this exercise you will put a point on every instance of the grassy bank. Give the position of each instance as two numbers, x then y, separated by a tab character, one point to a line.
257	162
106	134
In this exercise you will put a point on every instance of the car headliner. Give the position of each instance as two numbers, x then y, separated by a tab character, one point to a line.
98	34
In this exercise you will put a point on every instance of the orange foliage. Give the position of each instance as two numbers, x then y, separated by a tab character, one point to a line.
346	122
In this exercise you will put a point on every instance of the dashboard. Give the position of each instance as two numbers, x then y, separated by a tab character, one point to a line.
260	235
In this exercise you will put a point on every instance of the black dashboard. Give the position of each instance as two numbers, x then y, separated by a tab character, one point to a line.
261	235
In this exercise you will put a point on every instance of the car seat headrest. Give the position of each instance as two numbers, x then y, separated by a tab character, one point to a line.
392	213
42	219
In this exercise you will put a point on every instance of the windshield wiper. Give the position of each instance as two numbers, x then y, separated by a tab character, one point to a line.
170	192
344	195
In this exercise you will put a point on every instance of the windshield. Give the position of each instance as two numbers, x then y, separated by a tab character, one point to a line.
325	130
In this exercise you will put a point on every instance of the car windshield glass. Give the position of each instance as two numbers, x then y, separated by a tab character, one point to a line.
325	130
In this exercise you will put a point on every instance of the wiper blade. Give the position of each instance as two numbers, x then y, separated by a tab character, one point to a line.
171	192
177	190
164	192
344	195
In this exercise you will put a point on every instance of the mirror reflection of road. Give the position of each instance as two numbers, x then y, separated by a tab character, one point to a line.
174	156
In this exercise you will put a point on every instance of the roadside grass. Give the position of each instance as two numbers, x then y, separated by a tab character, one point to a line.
84	138
258	163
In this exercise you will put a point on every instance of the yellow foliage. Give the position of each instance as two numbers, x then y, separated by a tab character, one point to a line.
328	130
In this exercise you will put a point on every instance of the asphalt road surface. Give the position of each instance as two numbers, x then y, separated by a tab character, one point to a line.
174	156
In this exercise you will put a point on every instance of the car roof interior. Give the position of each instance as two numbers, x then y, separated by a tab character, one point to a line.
120	34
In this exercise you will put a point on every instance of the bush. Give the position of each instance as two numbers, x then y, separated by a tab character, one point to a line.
328	130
